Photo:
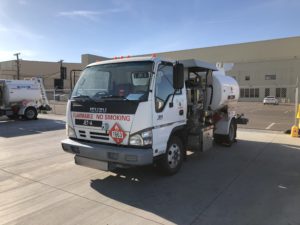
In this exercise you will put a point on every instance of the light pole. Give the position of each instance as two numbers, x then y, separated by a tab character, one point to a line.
18	65
295	128
296	100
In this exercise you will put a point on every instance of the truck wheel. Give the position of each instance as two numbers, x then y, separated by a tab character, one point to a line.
230	138
30	113
172	160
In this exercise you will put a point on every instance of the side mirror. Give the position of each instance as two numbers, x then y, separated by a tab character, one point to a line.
178	76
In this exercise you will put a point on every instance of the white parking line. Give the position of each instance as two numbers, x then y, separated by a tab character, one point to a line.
286	112
269	127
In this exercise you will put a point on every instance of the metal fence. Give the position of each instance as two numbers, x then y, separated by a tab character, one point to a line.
58	99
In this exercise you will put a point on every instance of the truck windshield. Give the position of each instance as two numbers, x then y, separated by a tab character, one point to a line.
115	81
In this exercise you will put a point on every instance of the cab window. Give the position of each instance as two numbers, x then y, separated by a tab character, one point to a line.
163	86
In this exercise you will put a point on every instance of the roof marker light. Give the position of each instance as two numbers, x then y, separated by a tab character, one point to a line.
121	57
128	56
115	57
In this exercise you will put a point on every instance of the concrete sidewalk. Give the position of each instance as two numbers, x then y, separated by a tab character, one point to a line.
256	181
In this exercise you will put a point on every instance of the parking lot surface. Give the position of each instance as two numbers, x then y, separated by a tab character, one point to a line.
264	117
256	181
268	117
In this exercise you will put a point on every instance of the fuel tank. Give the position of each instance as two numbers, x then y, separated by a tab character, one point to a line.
225	91
19	90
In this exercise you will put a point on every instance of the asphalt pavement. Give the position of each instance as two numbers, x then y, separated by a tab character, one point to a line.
256	181
263	117
267	117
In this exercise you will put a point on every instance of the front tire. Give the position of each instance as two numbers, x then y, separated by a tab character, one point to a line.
30	113
172	160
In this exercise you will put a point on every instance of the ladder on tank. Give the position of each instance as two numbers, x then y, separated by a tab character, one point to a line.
44	99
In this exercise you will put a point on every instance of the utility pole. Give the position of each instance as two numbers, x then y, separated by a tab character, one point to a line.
18	65
61	62
61	68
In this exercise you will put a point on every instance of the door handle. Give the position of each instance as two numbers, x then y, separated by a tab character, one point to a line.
181	112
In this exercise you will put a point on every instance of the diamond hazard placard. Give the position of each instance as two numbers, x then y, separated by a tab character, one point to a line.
117	133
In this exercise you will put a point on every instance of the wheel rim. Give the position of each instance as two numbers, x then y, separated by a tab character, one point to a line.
30	114
173	156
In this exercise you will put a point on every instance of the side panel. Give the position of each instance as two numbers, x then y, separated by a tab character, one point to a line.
170	116
165	121
142	118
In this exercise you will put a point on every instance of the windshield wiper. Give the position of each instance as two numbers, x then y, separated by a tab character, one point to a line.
82	98
113	97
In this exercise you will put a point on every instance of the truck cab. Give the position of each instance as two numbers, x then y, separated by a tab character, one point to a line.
140	111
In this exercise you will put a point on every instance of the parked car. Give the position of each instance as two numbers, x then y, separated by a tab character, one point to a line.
270	100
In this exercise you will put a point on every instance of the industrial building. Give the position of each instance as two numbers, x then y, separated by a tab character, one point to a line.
261	68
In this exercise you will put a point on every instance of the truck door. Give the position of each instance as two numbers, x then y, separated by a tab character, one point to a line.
166	116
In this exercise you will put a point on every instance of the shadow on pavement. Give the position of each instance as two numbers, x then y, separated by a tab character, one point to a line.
237	185
15	128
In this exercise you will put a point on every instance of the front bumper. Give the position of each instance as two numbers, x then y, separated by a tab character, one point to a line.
109	153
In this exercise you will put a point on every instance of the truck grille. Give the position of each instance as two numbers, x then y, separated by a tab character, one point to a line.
101	136
85	134
82	133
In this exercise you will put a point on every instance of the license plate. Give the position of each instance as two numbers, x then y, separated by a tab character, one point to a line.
91	163
90	123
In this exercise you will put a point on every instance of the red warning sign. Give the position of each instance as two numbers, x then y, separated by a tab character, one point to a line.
117	133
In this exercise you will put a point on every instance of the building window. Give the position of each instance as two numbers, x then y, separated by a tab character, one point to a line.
281	92
249	92
247	77
277	92
246	92
256	92
58	84
242	93
270	77
267	92
63	72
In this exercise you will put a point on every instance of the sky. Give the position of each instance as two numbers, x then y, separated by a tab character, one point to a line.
51	30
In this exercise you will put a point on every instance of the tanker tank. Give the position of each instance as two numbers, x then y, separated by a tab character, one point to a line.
225	91
20	90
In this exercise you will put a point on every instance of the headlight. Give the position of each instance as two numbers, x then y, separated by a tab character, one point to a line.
141	139
70	132
136	140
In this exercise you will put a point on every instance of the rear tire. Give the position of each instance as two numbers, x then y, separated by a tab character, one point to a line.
172	160
230	138
30	113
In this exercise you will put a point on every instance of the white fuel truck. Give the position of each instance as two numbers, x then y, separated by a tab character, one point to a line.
146	110
22	98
